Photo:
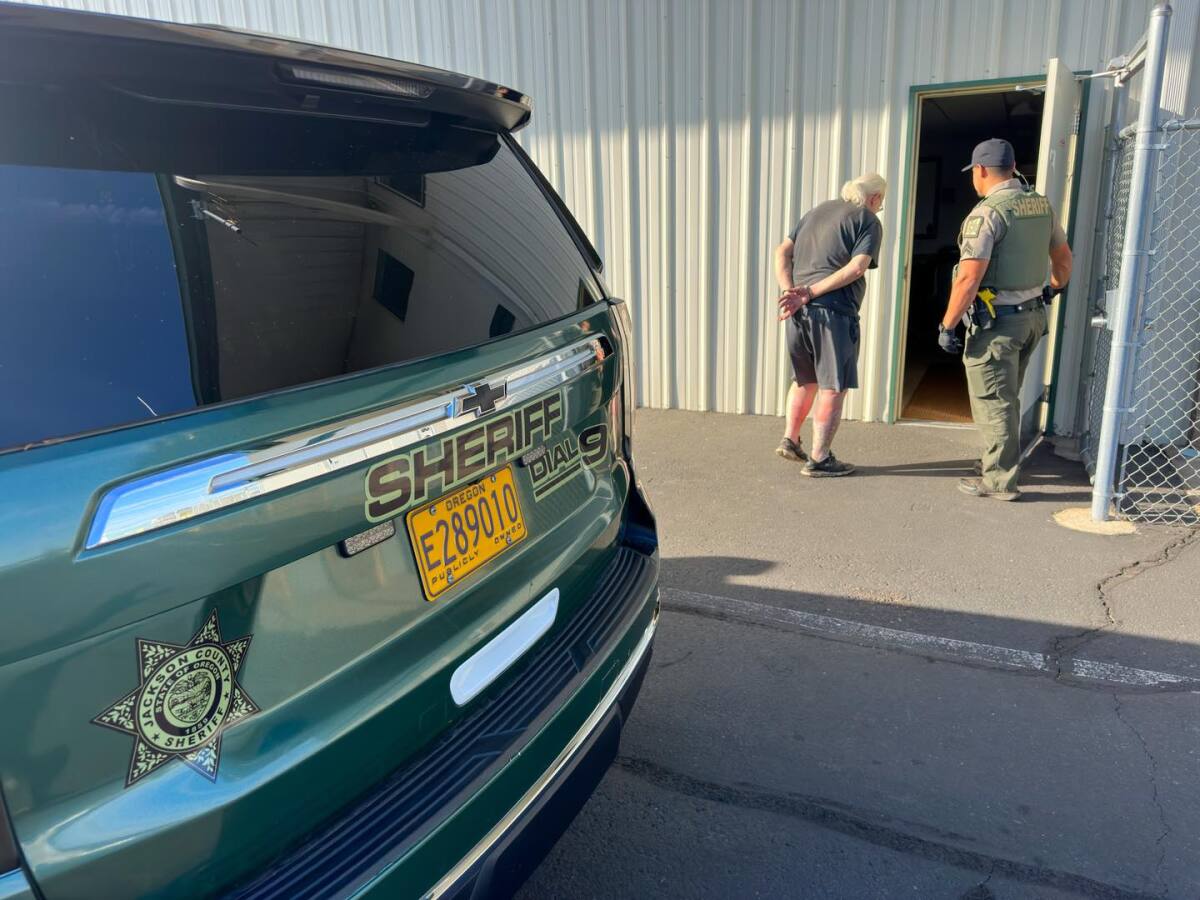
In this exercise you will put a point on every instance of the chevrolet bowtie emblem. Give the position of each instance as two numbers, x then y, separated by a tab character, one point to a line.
481	398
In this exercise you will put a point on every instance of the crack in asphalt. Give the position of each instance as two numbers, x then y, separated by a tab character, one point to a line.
858	824
1161	843
1063	648
981	891
666	664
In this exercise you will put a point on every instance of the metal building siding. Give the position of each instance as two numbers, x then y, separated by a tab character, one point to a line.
688	135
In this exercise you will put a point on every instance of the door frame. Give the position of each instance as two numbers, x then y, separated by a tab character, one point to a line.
1085	80
917	93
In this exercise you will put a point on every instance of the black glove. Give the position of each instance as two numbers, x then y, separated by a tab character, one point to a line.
1049	293
948	340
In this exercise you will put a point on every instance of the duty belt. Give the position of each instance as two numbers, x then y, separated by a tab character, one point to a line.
1023	306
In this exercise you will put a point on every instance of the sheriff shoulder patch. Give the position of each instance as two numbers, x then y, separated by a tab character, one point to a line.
187	696
972	226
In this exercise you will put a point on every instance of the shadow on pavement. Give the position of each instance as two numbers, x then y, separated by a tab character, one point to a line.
1043	469
949	630
888	755
762	762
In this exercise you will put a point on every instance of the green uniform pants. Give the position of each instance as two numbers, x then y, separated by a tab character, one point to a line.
995	361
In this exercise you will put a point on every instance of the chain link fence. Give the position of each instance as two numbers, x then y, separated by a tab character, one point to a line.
1158	476
1138	417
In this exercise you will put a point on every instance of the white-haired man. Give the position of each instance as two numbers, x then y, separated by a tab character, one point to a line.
821	268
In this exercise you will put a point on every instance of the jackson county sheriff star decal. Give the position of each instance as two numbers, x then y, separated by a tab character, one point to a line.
186	698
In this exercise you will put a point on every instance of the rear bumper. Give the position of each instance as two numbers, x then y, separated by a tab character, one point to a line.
531	751
509	853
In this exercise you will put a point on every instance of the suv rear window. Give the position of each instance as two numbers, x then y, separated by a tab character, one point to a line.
200	257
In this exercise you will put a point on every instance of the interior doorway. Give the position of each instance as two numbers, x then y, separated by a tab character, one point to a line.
933	386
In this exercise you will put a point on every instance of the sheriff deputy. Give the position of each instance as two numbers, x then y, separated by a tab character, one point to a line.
1000	287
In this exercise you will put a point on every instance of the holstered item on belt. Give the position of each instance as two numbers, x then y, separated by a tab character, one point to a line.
981	314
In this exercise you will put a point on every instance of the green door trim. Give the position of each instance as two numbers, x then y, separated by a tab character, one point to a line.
916	93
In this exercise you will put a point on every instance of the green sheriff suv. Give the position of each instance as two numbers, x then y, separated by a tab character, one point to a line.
324	569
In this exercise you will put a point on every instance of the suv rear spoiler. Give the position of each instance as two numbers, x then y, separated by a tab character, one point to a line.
214	65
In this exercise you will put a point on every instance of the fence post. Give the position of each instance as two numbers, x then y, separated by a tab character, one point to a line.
1133	263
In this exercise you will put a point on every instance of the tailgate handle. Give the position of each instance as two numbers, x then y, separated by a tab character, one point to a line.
493	659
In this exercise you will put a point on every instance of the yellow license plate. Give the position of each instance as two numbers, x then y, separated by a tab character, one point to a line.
461	531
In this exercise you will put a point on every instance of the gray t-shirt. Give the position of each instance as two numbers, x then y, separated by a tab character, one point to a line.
826	238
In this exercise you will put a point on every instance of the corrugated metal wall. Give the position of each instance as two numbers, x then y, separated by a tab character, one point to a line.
688	135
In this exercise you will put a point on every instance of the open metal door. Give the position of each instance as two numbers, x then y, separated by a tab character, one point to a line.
1055	179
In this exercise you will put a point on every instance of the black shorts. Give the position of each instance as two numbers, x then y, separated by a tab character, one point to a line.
823	345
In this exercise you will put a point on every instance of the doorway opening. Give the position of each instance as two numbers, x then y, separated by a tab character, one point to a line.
933	385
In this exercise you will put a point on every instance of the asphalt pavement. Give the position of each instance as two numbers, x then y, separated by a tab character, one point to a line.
878	687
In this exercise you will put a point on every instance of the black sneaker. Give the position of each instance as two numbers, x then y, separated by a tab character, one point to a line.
829	467
791	450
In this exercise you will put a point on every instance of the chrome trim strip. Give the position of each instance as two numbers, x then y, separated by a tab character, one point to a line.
176	495
298	454
14	885
493	658
451	878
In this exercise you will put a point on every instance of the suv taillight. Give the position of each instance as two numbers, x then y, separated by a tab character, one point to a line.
640	530
624	327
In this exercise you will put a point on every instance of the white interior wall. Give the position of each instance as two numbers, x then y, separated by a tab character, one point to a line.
688	135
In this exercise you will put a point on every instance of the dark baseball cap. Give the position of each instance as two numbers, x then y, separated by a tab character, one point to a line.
994	152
